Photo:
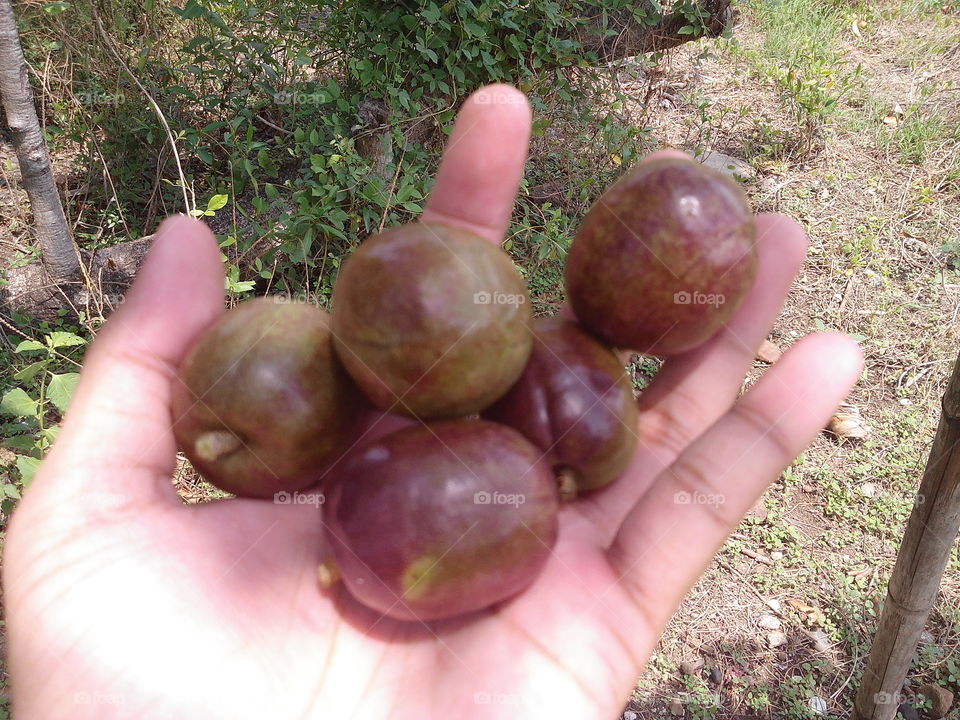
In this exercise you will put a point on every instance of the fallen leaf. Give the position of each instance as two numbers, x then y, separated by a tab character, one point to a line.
812	615
768	352
855	28
890	121
847	423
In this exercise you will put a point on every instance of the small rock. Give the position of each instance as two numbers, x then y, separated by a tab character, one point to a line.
676	707
776	555
818	705
768	352
927	638
629	715
769	622
776	639
774	604
908	711
692	666
906	401
808	488
868	490
734	167
819	640
716	676
940	699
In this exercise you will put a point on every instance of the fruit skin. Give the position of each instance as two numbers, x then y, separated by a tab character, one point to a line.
422	525
574	401
261	402
668	230
411	326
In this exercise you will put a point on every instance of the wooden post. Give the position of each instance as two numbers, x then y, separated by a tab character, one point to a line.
923	556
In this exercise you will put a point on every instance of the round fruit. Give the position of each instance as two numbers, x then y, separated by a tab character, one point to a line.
663	259
575	402
261	401
431	321
440	520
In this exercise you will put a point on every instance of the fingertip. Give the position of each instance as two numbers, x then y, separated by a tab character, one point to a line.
667	153
514	103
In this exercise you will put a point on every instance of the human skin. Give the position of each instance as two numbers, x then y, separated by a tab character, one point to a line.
121	602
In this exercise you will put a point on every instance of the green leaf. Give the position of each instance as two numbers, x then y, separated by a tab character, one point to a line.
217	202
29	345
17	403
10	491
686	30
30	371
55	8
58	338
27	467
20	442
61	388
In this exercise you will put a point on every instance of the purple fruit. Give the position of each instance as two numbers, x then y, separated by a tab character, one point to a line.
261	402
575	402
663	259
431	321
440	520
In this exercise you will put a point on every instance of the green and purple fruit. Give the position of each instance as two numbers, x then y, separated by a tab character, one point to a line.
440	520
575	402
261	402
663	259
431	321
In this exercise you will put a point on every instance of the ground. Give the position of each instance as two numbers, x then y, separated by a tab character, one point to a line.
877	190
848	116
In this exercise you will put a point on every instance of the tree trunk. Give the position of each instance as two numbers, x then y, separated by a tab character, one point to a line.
53	235
923	556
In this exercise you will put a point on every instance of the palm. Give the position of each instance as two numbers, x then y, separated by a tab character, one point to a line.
123	603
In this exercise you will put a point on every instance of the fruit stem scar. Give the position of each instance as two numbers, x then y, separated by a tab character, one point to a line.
328	573
214	444
566	482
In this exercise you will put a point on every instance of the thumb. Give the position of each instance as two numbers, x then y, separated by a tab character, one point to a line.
116	445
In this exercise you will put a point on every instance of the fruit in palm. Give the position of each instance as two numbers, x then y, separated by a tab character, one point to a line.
575	402
431	321
261	402
442	519
663	259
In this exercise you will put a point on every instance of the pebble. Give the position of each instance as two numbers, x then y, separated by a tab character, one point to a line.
629	715
927	638
676	708
776	555
776	639
774	604
818	705
868	490
820	641
769	622
692	666
716	675
728	165
908	711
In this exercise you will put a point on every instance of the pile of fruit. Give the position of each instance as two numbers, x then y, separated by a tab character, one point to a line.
513	415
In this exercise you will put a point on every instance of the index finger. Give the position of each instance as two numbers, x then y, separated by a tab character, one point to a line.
483	163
